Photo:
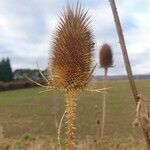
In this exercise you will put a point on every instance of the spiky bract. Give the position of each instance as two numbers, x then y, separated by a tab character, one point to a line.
106	56
72	50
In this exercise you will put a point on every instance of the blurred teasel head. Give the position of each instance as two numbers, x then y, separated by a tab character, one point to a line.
106	56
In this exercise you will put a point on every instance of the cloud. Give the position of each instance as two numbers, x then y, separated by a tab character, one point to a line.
133	16
26	29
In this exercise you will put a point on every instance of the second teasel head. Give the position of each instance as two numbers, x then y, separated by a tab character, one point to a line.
72	50
106	56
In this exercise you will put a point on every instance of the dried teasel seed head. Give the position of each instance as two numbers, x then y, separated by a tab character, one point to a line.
72	50
106	56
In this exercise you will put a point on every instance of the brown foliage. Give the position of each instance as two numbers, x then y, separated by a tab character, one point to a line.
72	50
106	56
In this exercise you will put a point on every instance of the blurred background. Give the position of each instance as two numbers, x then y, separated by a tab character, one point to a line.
26	33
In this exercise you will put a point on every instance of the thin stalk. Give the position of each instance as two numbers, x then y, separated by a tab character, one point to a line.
104	106
59	130
70	118
124	50
126	61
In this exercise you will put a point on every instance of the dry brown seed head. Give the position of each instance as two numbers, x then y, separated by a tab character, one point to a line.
106	56
72	50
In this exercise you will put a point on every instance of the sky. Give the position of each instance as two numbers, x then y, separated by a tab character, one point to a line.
27	27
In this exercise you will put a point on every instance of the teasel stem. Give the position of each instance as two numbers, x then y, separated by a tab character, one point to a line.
106	61
70	118
104	105
127	62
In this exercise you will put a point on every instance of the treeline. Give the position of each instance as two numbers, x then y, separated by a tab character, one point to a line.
7	75
23	74
17	79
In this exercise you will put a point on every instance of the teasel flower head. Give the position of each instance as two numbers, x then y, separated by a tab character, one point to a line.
72	50
106	56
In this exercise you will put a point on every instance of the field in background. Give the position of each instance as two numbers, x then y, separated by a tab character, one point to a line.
29	111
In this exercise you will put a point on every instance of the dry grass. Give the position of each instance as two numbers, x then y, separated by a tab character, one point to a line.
28	142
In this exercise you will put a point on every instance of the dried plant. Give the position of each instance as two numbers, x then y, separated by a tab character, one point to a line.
127	62
70	65
106	56
106	61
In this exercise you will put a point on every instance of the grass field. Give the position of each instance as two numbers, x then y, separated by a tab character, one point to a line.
29	111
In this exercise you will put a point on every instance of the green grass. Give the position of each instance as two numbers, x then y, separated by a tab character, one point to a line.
29	111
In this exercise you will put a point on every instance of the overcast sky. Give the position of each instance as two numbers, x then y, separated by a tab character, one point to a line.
26	28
